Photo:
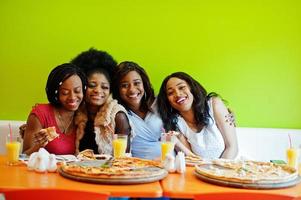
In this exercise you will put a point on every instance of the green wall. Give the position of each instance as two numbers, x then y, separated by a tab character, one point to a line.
247	51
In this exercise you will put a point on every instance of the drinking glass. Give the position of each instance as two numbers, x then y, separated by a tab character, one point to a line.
13	147
167	145
119	145
292	155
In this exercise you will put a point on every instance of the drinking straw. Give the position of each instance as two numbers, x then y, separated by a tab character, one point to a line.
10	133
290	140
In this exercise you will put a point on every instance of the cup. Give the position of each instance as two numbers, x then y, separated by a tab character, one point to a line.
167	145
119	145
292	155
13	147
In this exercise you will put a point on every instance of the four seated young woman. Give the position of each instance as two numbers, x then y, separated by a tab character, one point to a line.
206	127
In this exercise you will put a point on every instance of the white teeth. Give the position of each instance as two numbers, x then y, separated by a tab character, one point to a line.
72	104
96	97
180	99
133	95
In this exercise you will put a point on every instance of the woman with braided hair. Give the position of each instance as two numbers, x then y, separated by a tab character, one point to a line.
65	87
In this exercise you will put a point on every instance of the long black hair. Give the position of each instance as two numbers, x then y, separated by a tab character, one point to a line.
122	70
200	106
57	76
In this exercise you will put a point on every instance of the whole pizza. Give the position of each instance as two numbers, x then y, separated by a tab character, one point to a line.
124	170
246	172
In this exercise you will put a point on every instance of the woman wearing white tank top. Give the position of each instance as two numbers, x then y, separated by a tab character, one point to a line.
203	119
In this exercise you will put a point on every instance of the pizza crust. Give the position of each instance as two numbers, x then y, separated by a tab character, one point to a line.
193	160
51	132
86	154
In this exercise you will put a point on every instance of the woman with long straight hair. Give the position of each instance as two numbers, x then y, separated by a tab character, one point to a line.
202	118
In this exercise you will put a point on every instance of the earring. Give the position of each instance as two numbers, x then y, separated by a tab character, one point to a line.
144	96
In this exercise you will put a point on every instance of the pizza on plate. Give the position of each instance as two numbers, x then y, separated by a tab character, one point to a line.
121	168
86	154
247	171
193	160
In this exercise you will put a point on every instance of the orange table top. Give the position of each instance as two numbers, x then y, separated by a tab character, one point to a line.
187	185
18	177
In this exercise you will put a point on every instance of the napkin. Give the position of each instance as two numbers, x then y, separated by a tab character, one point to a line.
42	161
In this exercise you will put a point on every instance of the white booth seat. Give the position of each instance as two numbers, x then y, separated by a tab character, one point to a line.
266	144
262	144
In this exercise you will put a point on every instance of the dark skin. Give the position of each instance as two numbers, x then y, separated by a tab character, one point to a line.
70	96
181	99
122	127
98	91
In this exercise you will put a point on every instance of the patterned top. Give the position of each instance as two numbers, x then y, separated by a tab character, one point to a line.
65	143
209	142
103	125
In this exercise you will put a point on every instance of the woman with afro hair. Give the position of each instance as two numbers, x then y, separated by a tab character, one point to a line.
100	118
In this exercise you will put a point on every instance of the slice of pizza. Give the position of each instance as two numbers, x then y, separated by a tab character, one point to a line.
52	134
193	160
86	154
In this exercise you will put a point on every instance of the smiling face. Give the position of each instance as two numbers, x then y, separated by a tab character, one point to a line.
179	94
131	90
98	89
70	93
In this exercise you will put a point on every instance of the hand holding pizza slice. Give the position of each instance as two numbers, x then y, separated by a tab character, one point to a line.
51	133
44	136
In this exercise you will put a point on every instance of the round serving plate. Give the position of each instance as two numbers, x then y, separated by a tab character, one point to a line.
160	174
248	185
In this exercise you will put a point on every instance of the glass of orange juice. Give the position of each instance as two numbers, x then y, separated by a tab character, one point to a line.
13	147
167	145
292	155
119	145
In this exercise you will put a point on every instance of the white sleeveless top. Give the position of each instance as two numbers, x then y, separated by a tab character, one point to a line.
209	142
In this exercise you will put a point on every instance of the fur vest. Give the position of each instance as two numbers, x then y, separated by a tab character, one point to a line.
104	125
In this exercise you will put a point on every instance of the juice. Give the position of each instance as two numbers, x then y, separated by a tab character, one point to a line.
292	157
13	149
119	147
166	147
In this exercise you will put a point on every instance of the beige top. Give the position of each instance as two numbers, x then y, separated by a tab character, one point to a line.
104	125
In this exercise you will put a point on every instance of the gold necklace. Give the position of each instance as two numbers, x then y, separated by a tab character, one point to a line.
65	128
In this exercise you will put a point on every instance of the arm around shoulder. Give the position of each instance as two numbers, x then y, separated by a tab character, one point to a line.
226	128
